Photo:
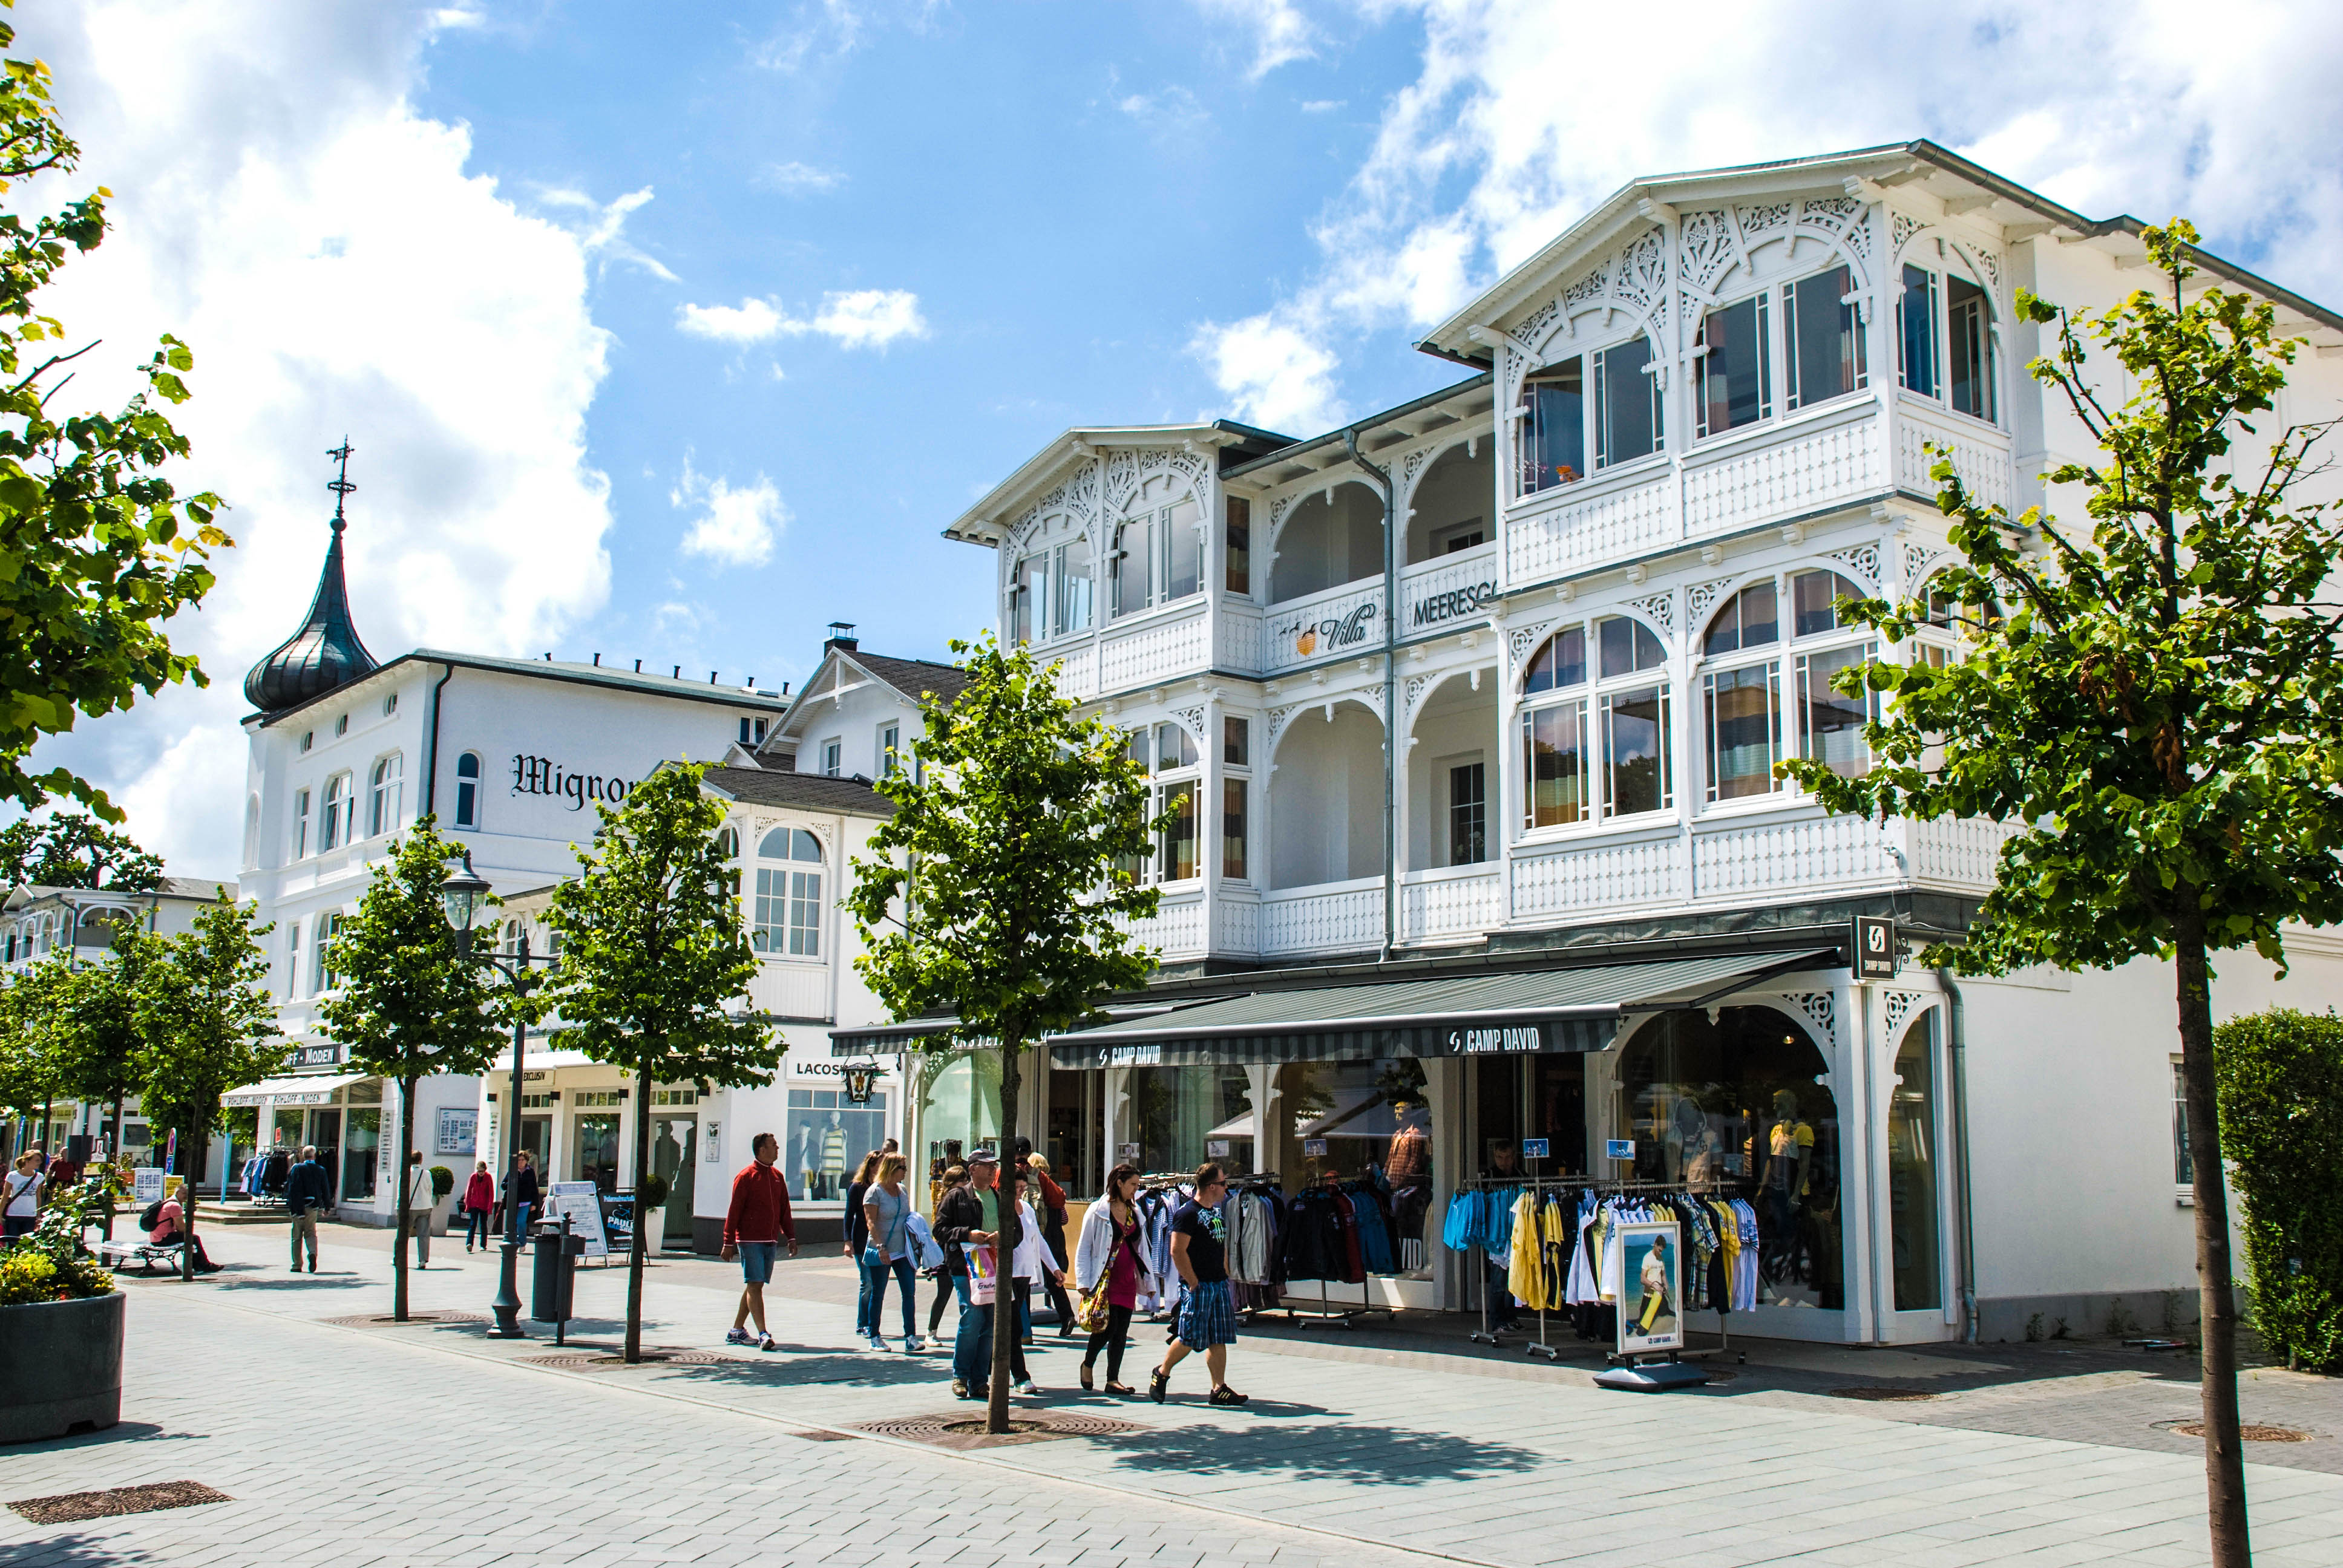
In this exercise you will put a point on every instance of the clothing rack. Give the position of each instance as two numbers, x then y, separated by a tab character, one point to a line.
1301	1315
1601	1187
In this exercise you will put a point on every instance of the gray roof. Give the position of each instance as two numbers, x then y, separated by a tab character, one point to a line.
607	675
804	791
914	677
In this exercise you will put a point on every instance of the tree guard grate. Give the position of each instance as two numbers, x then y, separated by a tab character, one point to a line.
963	1433
595	1361
1882	1395
386	1321
74	1507
2252	1432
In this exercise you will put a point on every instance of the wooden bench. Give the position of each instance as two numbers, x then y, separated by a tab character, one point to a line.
146	1254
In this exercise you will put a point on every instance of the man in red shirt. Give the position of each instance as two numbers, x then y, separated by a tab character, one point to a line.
755	1225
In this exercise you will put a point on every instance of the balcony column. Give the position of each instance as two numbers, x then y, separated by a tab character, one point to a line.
1209	822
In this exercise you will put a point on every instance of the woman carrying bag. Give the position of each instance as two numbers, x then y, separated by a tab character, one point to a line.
887	1250
1108	1275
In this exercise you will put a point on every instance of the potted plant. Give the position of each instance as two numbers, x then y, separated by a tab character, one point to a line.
61	1324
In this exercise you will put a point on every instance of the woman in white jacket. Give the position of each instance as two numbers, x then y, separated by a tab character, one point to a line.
1109	1248
1031	1267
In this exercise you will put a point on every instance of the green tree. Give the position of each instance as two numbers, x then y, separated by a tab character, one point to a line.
207	1026
655	966
73	850
2154	710
98	549
2281	1075
995	889
403	1006
28	1053
94	1027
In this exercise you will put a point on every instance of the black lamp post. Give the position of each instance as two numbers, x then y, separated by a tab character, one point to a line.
463	897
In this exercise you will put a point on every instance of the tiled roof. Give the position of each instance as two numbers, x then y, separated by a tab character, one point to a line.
915	676
804	791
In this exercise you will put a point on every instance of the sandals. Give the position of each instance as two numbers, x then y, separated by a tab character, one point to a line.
1086	1381
1224	1394
1156	1383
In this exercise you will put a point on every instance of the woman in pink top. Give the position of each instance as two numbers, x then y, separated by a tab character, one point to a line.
1110	1246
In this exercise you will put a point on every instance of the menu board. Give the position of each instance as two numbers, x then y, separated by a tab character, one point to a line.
583	1201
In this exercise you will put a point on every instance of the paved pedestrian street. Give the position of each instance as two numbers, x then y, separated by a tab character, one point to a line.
430	1443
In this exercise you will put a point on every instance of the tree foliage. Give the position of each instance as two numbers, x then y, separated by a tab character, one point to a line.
655	965
73	850
2154	708
2281	1075
94	1022
28	1043
403	1006
993	891
98	549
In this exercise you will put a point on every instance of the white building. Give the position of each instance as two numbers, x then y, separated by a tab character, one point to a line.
510	755
1512	767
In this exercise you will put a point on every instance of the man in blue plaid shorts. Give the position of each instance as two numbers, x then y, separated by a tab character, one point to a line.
1206	1319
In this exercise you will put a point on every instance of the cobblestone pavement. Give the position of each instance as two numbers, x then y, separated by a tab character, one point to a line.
430	1444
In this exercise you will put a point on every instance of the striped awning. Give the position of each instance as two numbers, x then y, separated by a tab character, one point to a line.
1515	1012
912	1034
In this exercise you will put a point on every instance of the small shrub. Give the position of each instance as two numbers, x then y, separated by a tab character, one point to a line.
50	1263
443	1182
2034	1330
2281	1087
2058	1328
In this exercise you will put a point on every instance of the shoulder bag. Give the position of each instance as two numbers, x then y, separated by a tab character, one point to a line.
1091	1316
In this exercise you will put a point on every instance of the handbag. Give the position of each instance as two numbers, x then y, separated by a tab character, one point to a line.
1090	1316
983	1271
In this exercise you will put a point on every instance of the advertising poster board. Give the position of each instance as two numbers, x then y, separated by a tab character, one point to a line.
618	1223
583	1201
1651	1279
146	1184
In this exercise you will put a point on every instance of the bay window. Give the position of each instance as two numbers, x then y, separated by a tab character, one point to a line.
1624	719
1968	349
1159	556
1554	426
1822	335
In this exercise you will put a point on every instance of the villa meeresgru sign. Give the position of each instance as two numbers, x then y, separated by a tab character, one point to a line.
544	776
1433	609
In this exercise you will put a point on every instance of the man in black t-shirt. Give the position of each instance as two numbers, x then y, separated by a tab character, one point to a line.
1206	1318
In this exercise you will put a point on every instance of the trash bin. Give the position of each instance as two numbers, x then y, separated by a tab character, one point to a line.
556	1280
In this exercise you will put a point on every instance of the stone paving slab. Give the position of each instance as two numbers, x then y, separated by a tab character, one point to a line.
1409	1455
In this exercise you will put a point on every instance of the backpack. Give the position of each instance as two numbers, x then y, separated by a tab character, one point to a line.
151	1216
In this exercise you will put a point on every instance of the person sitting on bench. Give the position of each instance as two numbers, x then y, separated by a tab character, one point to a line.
170	1229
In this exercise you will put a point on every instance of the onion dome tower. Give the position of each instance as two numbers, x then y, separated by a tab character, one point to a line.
326	653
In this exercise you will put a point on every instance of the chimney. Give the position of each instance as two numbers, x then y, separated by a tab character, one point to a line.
841	635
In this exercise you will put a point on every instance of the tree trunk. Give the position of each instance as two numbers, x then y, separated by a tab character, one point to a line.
2225	1460
398	1199
642	1224
1004	1291
113	1153
194	1144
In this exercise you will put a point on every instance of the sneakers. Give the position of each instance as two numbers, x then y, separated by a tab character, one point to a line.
767	1342
1157	1383
1028	1387
739	1337
914	1346
875	1343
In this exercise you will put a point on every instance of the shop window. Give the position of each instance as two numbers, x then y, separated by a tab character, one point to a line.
1736	382
1741	1105
1912	1173
1749	619
1741	721
1354	1122
1830	722
1468	814
1071	588
467	789
1822	336
337	816
1916	331
361	1150
593	1148
1233	825
1968	349
1628	421
386	794
300	824
825	1135
1181	1115
1554	427
1237	554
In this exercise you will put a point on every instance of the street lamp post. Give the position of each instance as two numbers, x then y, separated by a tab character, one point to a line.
463	897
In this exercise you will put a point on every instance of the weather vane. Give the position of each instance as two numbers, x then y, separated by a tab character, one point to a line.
340	483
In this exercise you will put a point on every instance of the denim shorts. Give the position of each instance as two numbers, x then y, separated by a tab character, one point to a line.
757	1261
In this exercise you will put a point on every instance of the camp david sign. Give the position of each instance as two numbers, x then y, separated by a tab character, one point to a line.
1481	1041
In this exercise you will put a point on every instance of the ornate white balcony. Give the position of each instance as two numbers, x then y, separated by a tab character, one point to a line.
1447	592
1331	917
1980	453
791	988
1451	903
1342	620
1745	479
1156	646
1176	930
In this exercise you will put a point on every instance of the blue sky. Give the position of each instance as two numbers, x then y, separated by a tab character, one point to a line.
675	332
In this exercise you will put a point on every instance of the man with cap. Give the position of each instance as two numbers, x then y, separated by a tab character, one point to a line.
969	1216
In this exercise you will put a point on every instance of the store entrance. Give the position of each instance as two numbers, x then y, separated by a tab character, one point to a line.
675	1142
1077	1134
597	1153
326	1133
1520	1098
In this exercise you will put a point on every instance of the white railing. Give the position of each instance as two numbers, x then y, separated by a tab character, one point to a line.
1980	454
1744	485
1156	649
787	988
1334	916
1239	640
1454	902
1808	852
1598	520
1176	929
1077	669
1448	592
1959	852
1239	914
1578	880
1342	620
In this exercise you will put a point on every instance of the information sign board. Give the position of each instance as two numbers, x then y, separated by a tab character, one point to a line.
583	1201
1619	1148
1534	1148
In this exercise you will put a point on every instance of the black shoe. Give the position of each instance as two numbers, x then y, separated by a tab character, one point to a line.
1157	1383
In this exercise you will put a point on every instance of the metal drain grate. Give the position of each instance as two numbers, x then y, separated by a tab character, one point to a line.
822	1435
1882	1395
385	1321
2251	1431
588	1361
74	1507
963	1433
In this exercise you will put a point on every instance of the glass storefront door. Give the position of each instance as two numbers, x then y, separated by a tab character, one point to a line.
537	1137
1077	1132
675	1144
596	1151
361	1148
1182	1116
824	1137
1912	1171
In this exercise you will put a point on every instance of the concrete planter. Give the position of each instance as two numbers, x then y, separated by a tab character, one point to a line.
60	1368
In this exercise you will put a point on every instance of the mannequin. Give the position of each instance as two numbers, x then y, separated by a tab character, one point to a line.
1789	1162
1685	1135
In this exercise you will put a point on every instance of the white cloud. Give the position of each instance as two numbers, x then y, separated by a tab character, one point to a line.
793	177
1281	33
1322	105
736	526
870	318
603	234
1171	108
336	268
1280	378
751	321
860	318
1480	160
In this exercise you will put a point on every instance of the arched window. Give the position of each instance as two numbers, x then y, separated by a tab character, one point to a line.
336	820
727	842
467	789
386	794
1740	702
1945	341
1595	742
1158	550
1754	711
787	917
